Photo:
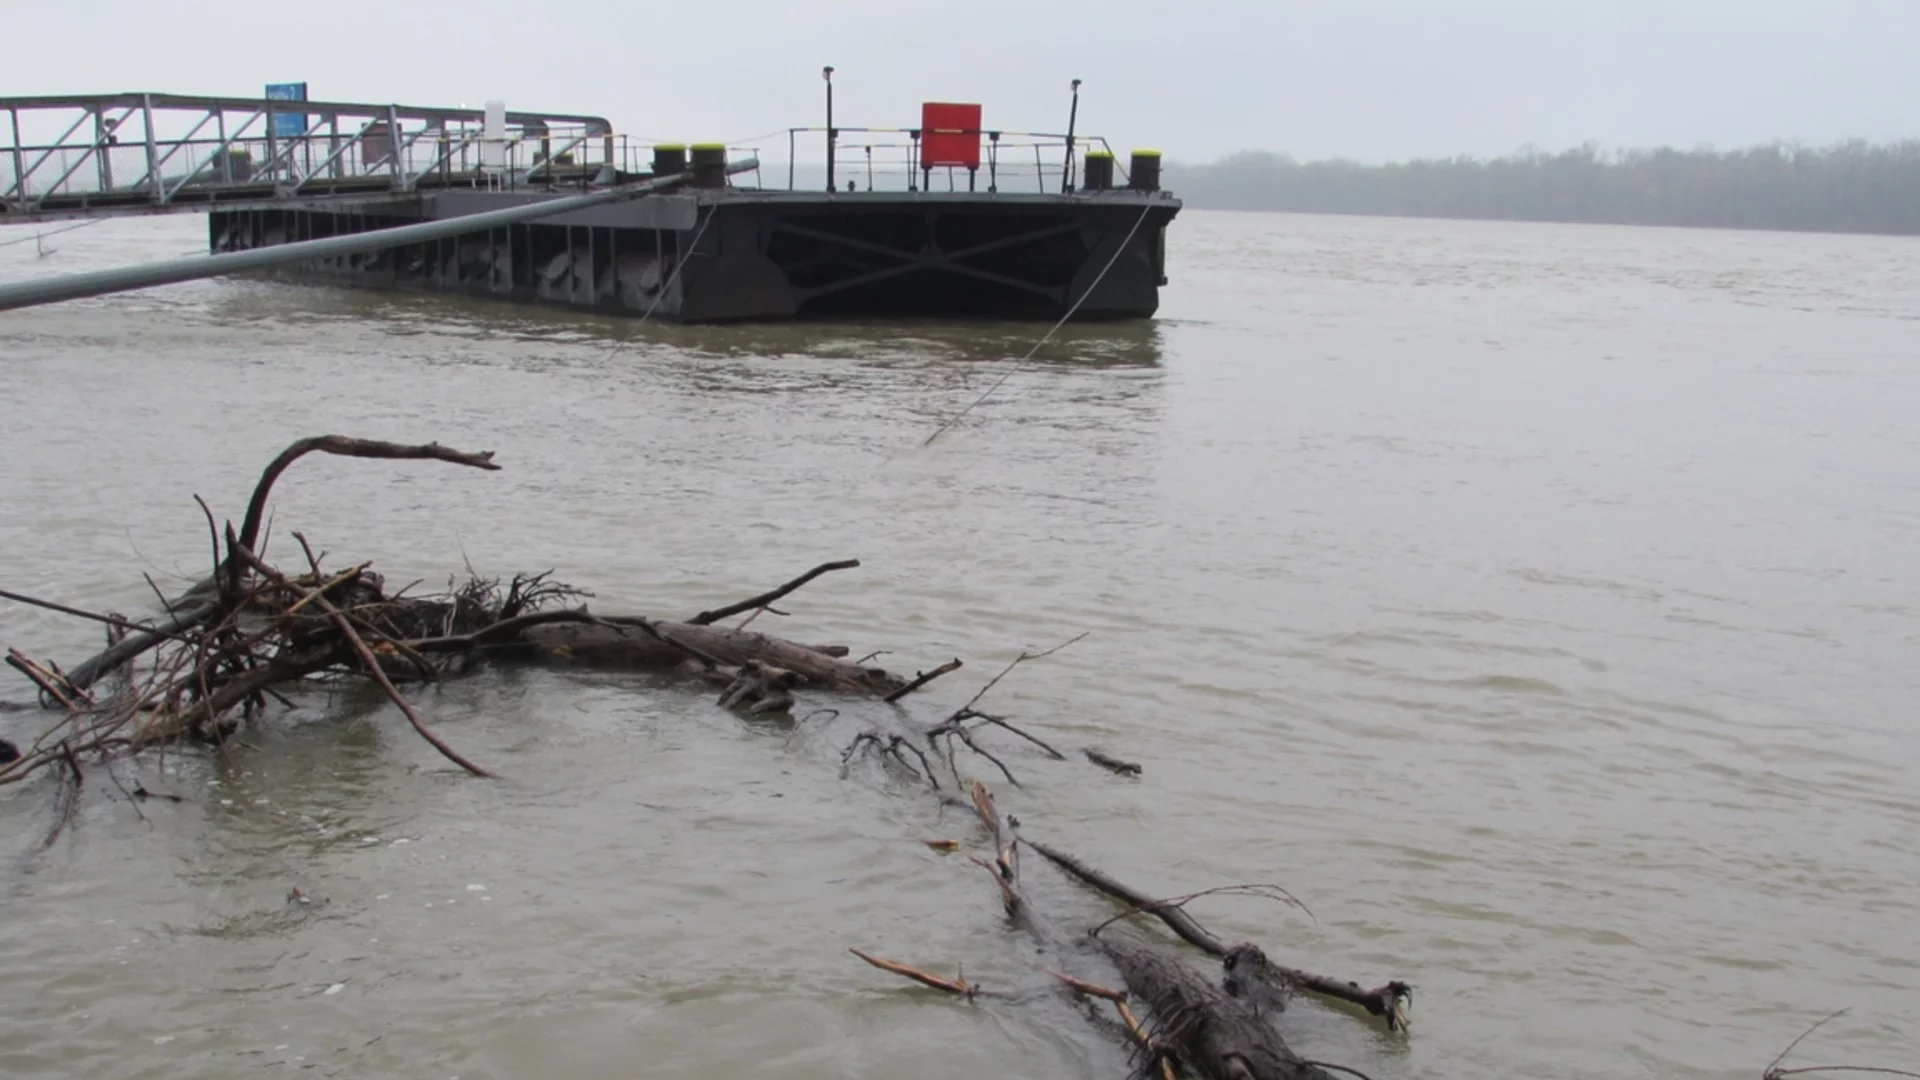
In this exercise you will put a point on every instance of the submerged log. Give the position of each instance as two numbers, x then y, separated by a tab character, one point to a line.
1249	970
1223	1036
620	642
1194	1022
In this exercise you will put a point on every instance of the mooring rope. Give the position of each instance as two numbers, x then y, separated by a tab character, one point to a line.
1048	336
56	232
664	285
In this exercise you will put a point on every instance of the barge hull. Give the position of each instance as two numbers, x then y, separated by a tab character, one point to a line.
743	254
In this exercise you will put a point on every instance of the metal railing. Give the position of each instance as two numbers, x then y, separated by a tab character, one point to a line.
138	153
879	159
156	149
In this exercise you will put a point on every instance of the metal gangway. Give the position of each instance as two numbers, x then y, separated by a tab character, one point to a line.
144	153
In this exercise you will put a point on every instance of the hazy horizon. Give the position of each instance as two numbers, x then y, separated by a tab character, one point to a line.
1371	81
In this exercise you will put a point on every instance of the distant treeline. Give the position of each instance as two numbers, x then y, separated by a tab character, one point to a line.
1849	187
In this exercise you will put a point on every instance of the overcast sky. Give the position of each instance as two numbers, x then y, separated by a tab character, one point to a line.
1369	79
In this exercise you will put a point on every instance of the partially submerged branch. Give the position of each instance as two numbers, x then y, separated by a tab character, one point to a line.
956	985
1200	1023
922	679
1016	662
1111	764
1773	1070
139	642
972	714
371	662
52	684
65	801
1135	1029
766	598
79	613
1243	961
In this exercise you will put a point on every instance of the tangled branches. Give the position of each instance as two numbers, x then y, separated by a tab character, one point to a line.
247	629
251	634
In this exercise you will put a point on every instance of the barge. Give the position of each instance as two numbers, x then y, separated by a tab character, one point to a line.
945	218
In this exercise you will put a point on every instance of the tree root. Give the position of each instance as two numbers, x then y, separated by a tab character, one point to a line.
890	746
759	687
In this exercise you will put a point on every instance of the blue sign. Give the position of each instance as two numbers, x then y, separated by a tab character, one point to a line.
288	125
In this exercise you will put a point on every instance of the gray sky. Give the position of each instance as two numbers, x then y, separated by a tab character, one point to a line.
1371	79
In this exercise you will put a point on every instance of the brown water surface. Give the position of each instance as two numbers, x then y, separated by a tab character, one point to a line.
1537	603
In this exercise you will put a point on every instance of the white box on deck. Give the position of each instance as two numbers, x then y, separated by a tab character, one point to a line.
493	136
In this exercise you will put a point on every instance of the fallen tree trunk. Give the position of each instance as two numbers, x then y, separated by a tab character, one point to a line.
616	641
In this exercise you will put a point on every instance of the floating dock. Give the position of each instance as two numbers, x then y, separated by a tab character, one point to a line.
945	219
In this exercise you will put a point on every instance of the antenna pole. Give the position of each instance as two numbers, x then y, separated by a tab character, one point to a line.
1066	169
827	74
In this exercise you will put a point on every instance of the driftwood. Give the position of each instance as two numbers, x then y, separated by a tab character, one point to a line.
250	634
621	642
1776	1071
1197	1028
923	678
766	599
1245	964
345	446
367	659
1111	764
1195	1024
1221	1035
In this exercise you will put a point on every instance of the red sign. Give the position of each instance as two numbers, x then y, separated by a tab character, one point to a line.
949	135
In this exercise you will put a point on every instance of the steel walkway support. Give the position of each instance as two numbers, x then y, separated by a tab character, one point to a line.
65	156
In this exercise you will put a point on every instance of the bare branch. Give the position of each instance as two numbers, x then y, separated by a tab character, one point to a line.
1775	1072
1017	661
63	609
972	714
1817	1025
923	678
765	598
346	446
956	985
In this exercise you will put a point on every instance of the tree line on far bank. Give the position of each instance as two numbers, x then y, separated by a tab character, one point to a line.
1852	186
